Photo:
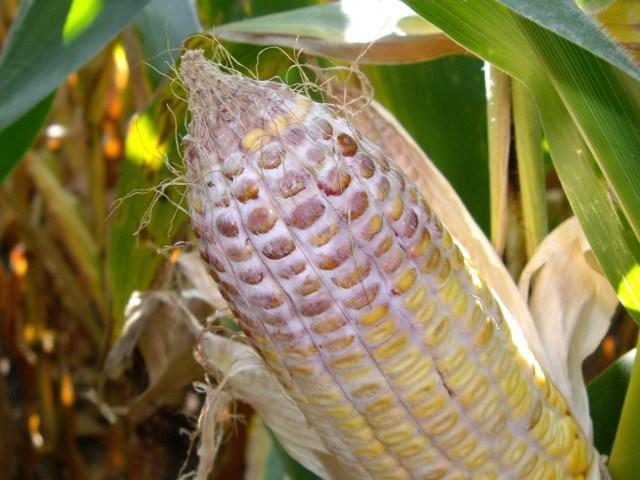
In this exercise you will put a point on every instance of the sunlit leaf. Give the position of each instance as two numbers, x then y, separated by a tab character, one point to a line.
372	32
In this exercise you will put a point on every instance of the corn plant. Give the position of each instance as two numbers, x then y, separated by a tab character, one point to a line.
415	221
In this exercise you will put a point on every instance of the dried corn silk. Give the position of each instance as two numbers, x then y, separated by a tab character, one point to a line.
357	297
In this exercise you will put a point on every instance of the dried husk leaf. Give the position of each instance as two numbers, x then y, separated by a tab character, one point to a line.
163	328
571	303
245	376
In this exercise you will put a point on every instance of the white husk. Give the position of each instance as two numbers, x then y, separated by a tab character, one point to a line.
571	303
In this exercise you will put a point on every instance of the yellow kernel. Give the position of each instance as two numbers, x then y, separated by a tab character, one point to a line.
357	374
421	246
577	458
438	332
462	375
411	447
450	290
474	390
340	411
354	423
373	315
357	436
391	348
416	298
396	207
399	365
254	139
452	362
366	390
381	332
387	418
423	392
339	343
463	448
431	262
475	461
460	304
442	423
426	313
430	405
300	110
373	227
412	375
196	202
347	361
405	280
398	433
444	272
326	398
302	369
383	403
514	453
278	125
484	335
373	449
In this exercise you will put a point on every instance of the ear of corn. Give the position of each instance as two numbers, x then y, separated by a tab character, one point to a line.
358	298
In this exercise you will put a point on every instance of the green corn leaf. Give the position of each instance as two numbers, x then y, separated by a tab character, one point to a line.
582	159
50	40
16	139
606	397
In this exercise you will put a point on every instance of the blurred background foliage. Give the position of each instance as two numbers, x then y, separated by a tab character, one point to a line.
90	117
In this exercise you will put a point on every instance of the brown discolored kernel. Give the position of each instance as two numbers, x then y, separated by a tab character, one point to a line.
334	260
291	183
307	213
324	235
311	307
329	324
363	296
290	270
246	190
334	182
381	189
347	146
251	277
358	204
239	253
271	158
261	220
310	284
392	260
232	166
383	246
353	277
366	167
321	129
228	288
226	226
409	224
278	248
216	263
267	300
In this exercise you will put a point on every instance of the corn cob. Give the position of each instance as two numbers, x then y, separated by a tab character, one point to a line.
357	297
